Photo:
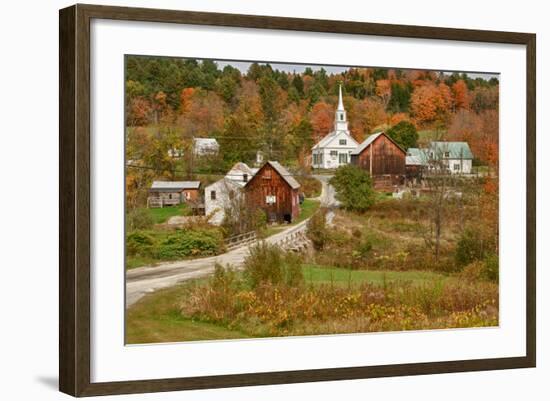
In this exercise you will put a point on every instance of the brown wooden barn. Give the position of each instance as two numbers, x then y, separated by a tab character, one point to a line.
383	158
275	191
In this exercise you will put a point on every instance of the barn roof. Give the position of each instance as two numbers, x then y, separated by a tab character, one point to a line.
283	172
175	185
370	139
205	141
457	150
240	167
366	143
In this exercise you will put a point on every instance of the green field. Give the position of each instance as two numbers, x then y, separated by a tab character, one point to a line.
156	317
162	214
329	275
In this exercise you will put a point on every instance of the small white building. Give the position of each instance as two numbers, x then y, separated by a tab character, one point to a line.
335	149
219	195
205	146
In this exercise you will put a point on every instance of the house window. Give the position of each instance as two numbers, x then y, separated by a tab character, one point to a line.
270	199
169	196
245	177
446	154
213	195
343	158
343	142
333	153
457	167
267	174
187	195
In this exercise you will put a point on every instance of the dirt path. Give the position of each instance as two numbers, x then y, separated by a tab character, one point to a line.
143	280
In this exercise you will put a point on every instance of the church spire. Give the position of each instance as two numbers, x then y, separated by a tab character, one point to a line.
340	101
340	120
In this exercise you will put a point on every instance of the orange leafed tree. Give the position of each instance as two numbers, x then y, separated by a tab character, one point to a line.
431	102
321	118
461	95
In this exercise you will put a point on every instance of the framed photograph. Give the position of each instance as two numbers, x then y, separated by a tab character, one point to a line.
250	200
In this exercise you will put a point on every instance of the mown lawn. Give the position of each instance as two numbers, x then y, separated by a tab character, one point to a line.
156	318
316	274
162	214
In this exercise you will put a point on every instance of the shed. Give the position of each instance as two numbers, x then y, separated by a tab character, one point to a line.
169	193
274	190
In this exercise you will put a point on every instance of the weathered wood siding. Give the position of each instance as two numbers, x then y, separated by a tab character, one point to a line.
267	183
387	158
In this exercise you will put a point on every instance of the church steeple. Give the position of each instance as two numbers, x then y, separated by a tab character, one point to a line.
340	120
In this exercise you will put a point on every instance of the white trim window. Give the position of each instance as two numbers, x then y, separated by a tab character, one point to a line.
270	199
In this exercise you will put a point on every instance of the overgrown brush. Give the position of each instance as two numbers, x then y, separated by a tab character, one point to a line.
270	305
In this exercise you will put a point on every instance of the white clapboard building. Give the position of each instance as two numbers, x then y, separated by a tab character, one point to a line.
219	195
334	150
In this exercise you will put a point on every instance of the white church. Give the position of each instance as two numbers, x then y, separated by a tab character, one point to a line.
334	150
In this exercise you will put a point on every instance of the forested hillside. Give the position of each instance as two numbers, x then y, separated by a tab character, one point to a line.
169	101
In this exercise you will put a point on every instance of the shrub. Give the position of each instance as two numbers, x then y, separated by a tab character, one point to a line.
268	264
139	243
486	269
183	243
317	230
311	187
354	188
139	219
472	245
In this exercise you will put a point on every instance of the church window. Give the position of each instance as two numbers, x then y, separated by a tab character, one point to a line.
334	153
343	142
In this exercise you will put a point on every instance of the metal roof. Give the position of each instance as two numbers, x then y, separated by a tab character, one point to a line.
285	174
175	185
366	143
456	150
416	156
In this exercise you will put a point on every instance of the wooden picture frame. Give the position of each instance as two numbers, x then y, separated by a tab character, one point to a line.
74	203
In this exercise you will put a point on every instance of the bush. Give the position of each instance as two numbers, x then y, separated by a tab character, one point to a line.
139	243
317	230
482	270
268	264
183	243
472	245
353	188
311	187
139	219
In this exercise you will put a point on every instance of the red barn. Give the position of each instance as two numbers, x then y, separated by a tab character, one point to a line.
383	158
275	191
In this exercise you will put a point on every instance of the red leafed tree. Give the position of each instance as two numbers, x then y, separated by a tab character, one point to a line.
321	118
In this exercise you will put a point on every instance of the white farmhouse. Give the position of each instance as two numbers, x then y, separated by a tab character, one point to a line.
219	195
334	150
455	156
